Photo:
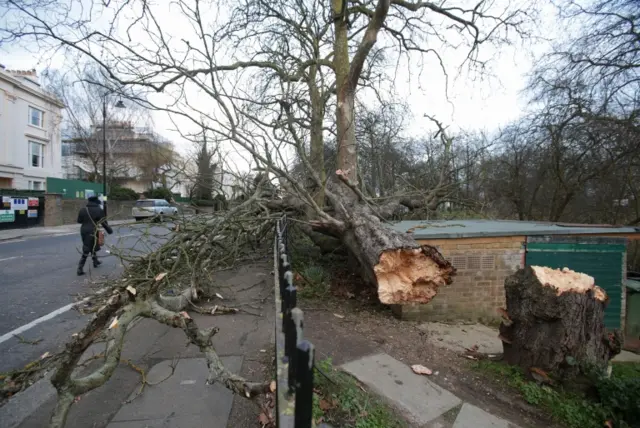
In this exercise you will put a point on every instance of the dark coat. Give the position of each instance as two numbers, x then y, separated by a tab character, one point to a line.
90	217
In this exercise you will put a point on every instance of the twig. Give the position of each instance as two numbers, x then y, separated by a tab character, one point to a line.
26	341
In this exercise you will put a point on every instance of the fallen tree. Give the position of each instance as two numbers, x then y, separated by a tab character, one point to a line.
164	285
402	270
554	322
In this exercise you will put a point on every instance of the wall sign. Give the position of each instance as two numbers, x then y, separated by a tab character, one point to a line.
32	214
19	204
7	216
6	203
33	202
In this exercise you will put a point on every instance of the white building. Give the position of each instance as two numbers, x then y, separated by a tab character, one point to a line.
30	136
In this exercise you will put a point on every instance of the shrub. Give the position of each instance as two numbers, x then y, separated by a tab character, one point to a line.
615	399
119	193
159	193
203	202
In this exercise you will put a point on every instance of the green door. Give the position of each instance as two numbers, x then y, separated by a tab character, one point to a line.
601	261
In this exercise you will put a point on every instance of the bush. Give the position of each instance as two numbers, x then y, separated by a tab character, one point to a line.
615	399
203	202
620	394
159	193
119	193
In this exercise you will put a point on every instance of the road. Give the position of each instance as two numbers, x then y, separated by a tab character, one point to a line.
38	279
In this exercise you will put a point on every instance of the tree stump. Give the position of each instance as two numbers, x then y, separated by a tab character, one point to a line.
554	320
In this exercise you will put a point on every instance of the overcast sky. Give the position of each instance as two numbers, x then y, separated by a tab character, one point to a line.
472	104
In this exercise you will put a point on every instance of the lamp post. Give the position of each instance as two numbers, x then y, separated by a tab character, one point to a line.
119	104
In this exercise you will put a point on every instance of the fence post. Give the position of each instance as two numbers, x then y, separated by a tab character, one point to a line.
284	270
295	323
304	385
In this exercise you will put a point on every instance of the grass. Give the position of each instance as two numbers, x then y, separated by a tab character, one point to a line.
342	402
311	268
571	409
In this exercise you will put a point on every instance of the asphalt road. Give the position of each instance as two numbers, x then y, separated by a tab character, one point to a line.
38	278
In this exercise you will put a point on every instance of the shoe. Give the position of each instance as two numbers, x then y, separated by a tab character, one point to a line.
96	263
80	272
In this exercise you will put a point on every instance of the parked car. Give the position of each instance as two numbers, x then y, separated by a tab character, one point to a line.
157	209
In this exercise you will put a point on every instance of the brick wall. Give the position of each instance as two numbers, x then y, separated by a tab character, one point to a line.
482	265
53	210
60	211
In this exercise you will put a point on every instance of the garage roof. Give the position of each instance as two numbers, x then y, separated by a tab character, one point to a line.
443	229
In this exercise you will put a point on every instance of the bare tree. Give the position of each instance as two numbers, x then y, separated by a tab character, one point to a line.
84	90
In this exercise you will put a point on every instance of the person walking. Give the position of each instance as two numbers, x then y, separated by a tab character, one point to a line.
91	217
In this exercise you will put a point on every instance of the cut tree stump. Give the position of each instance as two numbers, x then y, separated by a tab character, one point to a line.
554	320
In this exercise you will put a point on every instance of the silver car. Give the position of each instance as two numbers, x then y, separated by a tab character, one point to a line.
153	208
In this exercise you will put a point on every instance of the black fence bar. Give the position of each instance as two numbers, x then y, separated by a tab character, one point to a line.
304	385
296	321
294	355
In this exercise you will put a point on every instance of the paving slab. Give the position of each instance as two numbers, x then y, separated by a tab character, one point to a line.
626	357
474	417
422	399
457	337
183	400
26	402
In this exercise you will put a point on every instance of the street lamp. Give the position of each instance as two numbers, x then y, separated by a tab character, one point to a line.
119	104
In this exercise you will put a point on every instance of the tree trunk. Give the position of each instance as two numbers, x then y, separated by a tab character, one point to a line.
345	94
554	320
316	150
402	270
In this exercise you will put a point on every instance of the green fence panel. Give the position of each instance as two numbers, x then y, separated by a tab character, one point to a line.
601	262
73	189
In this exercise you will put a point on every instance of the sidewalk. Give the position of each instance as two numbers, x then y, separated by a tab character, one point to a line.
180	399
378	350
32	232
424	402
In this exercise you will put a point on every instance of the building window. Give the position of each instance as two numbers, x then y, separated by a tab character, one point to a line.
36	154
36	117
35	185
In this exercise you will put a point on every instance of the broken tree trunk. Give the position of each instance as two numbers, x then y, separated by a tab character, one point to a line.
402	270
554	320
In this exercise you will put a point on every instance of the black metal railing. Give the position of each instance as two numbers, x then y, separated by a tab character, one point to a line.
294	354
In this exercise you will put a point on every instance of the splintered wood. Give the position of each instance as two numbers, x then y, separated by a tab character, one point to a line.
411	275
567	280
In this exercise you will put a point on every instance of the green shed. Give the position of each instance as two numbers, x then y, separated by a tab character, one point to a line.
603	258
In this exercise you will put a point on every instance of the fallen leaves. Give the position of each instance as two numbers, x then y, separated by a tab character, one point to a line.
272	386
325	405
263	419
114	323
45	355
160	276
338	316
131	290
219	296
421	370
506	320
540	375
504	339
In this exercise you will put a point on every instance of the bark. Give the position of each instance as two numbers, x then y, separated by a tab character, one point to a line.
402	270
316	149
554	322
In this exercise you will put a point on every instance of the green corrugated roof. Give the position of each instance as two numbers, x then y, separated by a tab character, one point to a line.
443	229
